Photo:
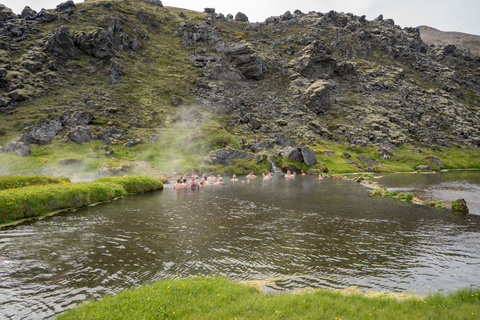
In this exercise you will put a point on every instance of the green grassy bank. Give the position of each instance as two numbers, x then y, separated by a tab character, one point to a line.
219	298
12	182
24	202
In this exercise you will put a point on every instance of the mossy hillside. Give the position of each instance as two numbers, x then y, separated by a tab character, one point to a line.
219	298
150	76
12	182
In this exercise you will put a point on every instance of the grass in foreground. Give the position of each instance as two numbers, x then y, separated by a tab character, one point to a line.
219	298
33	201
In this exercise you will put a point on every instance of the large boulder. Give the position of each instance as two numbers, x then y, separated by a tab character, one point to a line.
154	2
435	161
317	97
61	44
73	119
80	135
227	155
245	58
315	61
41	132
309	156
68	6
242	17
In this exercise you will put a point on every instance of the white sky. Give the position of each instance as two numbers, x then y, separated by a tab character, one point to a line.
445	15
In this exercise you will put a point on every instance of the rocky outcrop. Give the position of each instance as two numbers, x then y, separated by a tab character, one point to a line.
80	135
301	152
73	119
247	61
228	155
317	97
315	61
242	17
41	132
154	2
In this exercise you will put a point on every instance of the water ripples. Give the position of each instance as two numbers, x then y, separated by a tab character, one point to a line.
325	234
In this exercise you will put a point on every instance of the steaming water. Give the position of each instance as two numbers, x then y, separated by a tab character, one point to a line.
329	232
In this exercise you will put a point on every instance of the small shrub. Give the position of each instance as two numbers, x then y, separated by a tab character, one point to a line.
405	196
391	194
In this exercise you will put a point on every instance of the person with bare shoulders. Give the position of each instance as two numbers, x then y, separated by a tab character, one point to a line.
194	174
234	177
303	173
251	175
178	185
289	175
211	178
184	184
320	176
266	175
193	184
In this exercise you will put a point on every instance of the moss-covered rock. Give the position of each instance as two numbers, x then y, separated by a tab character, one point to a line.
459	206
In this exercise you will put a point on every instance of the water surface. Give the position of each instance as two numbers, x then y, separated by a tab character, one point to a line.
329	232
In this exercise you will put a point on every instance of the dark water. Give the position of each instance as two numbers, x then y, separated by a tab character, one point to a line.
444	186
330	232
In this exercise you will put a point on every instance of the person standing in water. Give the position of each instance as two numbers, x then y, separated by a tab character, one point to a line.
251	175
289	175
234	177
193	184
178	185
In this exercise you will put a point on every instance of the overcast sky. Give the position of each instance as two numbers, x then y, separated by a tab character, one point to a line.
445	15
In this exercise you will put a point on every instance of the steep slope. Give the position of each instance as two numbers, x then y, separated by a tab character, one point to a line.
461	40
120	70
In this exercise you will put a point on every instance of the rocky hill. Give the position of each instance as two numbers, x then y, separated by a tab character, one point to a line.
461	40
119	70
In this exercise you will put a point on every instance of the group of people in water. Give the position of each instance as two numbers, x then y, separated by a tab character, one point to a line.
195	182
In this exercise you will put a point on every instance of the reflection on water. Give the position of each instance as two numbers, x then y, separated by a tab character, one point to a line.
330	231
444	186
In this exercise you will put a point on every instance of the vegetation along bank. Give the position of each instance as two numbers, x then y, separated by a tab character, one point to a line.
31	201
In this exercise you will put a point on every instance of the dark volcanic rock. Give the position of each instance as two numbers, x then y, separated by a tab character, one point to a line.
41	132
80	135
315	61
66	7
227	155
45	16
308	155
435	161
111	133
154	2
241	17
28	13
6	13
317	97
370	162
61	45
245	58
133	142
73	119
